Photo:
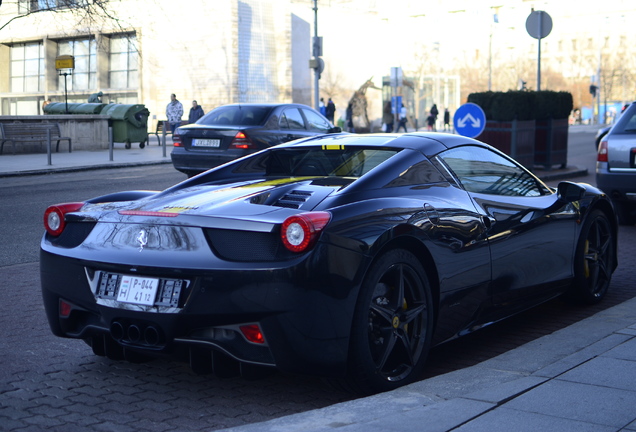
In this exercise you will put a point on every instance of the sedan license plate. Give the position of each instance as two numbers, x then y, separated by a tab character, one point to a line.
137	290
196	142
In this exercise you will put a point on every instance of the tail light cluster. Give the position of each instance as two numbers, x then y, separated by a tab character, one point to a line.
241	141
54	217
301	231
176	139
602	152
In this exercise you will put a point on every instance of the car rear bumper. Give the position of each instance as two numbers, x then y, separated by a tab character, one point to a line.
619	186
192	161
305	319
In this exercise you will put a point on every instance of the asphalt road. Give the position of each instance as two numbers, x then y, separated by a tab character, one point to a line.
57	384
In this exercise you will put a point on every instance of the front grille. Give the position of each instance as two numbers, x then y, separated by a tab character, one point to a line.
294	199
246	246
73	235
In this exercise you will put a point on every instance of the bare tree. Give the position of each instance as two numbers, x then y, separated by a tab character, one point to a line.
88	14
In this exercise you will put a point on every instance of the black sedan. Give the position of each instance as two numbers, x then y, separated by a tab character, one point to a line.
346	256
232	131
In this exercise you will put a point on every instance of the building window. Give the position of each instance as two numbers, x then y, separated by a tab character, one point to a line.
26	6
123	65
27	68
85	53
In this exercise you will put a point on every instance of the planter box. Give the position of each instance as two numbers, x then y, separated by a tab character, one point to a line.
551	143
515	138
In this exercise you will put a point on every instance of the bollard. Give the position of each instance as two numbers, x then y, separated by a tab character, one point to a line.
48	146
163	137
111	144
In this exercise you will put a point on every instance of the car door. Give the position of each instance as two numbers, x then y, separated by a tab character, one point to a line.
531	236
292	125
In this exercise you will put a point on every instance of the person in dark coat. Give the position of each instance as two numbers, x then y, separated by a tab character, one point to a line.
434	113
196	112
447	119
330	110
349	116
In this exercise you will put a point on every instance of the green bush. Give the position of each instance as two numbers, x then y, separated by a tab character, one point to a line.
523	105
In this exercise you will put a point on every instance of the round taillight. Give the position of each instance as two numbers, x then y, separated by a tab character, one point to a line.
54	222
300	232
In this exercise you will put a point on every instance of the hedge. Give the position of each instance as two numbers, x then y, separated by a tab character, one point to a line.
523	105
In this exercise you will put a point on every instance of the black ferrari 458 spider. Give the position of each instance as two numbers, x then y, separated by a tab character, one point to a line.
346	256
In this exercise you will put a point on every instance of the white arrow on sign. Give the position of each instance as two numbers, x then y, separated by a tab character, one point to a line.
474	122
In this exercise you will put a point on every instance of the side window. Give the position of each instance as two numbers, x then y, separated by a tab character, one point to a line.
291	119
316	122
484	171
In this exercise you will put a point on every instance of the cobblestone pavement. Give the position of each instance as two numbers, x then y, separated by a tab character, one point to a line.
56	384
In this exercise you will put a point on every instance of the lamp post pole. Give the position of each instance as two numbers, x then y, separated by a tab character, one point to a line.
316	53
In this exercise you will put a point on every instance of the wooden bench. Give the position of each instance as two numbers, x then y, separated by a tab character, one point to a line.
161	124
31	132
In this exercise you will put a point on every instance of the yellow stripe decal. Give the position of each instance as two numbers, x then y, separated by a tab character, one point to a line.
333	147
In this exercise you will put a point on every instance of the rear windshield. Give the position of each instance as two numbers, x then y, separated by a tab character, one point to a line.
316	161
236	116
627	122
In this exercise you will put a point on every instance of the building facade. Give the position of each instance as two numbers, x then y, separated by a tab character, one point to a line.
215	52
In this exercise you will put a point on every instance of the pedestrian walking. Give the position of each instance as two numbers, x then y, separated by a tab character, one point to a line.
430	122
434	113
330	110
174	112
196	112
402	120
447	120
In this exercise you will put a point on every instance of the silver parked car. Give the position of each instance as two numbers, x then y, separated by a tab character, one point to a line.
616	166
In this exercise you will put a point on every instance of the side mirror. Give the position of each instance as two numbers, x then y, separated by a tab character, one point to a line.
570	192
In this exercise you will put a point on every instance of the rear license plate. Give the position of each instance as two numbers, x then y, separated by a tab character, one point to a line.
137	290
196	142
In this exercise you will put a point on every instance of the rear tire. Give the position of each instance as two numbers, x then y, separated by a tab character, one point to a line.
594	260
392	325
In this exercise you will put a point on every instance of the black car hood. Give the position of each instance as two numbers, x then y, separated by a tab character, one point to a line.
237	200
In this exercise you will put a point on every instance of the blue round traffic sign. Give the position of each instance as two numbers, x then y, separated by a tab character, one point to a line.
469	120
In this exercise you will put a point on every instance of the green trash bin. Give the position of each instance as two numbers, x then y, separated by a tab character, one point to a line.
73	108
86	108
60	108
129	123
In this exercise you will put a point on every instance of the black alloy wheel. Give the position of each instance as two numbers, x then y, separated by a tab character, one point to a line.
393	322
594	260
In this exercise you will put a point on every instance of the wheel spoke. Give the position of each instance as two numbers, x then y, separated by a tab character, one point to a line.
387	349
413	313
400	285
408	347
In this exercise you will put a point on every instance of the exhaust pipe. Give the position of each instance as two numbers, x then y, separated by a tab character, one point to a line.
117	330
134	333
151	336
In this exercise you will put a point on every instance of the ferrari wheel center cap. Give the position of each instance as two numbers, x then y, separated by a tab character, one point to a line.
396	322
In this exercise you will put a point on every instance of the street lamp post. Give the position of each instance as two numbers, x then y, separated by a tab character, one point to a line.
318	64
